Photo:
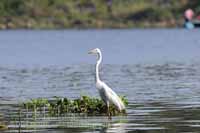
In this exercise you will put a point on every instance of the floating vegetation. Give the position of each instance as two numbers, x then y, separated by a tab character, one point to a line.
2	125
85	104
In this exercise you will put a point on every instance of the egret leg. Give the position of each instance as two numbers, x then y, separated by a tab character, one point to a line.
108	112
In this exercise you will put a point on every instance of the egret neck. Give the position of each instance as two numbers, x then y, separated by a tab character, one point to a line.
99	59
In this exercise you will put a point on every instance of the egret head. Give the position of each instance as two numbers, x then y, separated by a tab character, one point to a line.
95	51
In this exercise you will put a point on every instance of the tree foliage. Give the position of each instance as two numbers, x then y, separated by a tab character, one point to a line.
92	13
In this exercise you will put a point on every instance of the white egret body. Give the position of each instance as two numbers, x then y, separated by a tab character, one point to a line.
106	93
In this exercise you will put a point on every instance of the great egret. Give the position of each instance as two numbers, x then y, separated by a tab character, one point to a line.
106	93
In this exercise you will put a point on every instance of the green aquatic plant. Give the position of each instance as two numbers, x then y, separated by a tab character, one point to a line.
84	104
36	104
3	126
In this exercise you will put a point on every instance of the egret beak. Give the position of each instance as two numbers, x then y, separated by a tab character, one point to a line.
91	51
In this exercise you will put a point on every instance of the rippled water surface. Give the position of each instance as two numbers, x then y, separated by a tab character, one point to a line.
157	70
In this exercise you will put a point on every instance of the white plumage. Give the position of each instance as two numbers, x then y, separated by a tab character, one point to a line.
106	93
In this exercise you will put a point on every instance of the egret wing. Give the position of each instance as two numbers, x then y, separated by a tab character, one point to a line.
113	97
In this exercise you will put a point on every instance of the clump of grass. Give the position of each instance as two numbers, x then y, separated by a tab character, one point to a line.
3	127
85	104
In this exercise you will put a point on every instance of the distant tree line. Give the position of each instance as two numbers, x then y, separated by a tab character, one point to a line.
93	13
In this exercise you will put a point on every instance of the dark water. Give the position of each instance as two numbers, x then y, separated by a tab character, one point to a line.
157	70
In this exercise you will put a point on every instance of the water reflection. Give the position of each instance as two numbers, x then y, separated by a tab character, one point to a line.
149	117
116	127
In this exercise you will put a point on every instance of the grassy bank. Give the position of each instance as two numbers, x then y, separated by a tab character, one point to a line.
50	14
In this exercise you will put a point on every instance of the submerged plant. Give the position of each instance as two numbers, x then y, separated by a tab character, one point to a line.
3	127
2	124
85	104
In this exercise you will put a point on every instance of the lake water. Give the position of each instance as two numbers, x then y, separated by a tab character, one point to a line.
157	70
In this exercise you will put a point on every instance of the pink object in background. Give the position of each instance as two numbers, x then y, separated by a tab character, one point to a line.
198	17
189	13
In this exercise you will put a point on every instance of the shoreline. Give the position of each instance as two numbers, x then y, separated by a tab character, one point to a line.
118	26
